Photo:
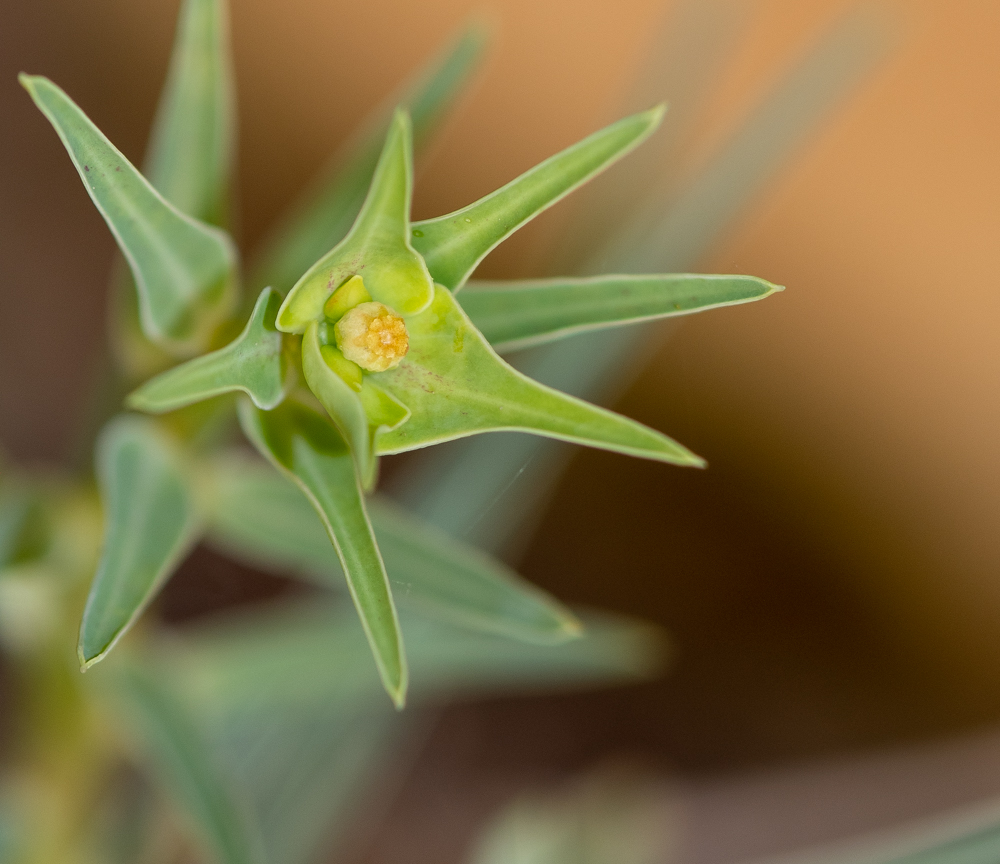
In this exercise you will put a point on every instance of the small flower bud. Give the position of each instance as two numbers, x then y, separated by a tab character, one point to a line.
373	336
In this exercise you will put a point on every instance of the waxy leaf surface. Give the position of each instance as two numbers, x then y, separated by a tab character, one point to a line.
455	385
252	363
259	516
187	768
184	269
454	244
516	315
191	148
322	219
377	248
150	523
306	448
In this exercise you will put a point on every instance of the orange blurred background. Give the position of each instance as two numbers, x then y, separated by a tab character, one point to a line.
831	582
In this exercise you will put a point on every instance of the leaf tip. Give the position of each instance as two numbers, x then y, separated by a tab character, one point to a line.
479	30
681	456
85	661
570	627
396	680
398	695
135	400
654	115
401	120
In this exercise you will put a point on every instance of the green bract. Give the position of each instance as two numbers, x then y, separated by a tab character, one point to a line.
377	248
253	362
371	352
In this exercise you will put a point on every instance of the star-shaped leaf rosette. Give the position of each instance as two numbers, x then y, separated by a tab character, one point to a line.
375	350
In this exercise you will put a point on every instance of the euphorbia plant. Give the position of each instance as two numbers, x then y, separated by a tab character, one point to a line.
380	347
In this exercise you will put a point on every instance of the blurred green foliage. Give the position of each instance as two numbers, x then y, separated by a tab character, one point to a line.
259	735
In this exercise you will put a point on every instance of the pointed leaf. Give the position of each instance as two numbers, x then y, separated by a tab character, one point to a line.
262	518
190	155
377	248
186	767
600	365
453	245
252	363
516	315
309	451
455	385
322	219
184	269
150	524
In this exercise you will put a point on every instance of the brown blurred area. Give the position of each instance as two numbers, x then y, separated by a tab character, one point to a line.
831	582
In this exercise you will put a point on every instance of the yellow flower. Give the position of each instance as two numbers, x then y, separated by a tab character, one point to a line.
373	336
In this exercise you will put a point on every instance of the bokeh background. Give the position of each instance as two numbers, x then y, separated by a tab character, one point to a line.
831	582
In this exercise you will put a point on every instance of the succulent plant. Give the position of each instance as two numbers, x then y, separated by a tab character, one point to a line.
354	334
372	351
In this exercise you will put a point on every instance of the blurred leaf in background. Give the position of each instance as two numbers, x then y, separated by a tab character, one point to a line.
970	836
663	223
270	756
615	814
266	730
